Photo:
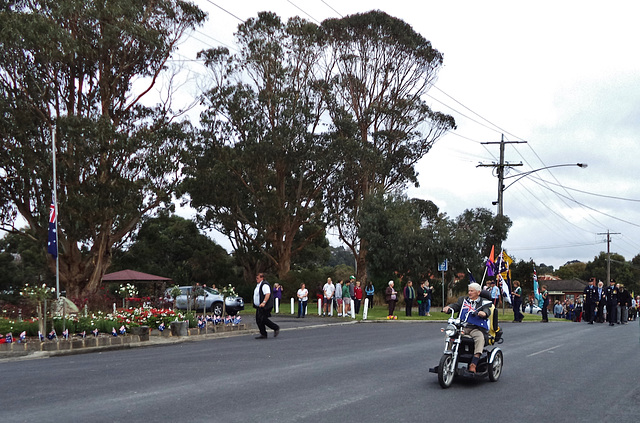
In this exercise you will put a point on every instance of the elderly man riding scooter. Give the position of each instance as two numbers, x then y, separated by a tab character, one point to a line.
476	311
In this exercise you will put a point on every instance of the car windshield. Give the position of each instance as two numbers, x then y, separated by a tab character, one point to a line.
210	290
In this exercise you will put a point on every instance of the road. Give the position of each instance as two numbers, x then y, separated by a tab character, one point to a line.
364	372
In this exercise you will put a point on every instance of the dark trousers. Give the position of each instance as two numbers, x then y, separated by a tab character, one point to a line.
517	314
262	320
392	307
302	306
590	312
600	316
370	297
422	308
612	312
545	312
356	305
408	302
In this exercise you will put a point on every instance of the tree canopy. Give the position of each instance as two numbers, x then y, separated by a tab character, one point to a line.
67	73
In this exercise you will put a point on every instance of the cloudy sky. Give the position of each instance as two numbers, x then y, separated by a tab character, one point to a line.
562	76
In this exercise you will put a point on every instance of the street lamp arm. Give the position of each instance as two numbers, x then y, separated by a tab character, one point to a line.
524	174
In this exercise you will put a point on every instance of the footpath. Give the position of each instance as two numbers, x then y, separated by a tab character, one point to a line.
33	349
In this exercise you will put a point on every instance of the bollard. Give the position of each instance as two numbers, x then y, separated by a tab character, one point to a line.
319	307
365	310
353	311
292	307
277	304
331	309
114	308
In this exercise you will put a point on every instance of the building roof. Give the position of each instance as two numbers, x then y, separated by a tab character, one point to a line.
568	285
133	276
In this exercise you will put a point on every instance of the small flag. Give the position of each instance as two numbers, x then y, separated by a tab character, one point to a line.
122	330
52	244
40	336
52	334
95	332
471	278
227	320
84	334
114	332
65	334
161	327
23	336
237	319
9	338
201	323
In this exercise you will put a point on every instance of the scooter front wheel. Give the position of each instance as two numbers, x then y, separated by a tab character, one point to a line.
446	371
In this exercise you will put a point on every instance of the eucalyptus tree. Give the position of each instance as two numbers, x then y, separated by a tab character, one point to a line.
81	69
381	68
473	233
262	161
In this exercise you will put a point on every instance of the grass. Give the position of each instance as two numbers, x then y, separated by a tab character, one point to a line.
380	312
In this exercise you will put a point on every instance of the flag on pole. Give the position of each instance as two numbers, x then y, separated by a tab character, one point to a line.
471	278
114	332
23	336
52	244
536	289
491	266
65	334
122	330
505	275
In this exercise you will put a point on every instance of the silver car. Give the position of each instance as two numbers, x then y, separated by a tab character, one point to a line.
207	298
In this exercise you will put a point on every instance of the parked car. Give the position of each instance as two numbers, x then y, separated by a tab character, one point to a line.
536	309
207	297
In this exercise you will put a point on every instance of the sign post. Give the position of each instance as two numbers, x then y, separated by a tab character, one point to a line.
443	267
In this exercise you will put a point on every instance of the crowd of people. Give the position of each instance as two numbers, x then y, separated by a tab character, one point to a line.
613	304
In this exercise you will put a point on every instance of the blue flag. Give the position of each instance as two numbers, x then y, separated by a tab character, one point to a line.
52	244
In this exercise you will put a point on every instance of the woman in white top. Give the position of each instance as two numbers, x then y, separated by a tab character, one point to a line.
303	296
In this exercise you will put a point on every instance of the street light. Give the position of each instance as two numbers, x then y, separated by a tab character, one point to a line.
502	187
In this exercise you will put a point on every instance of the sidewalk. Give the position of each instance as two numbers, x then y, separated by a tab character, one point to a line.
37	349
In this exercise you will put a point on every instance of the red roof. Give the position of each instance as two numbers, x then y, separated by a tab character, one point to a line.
132	276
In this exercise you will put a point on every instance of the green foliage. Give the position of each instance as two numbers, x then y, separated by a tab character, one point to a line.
173	247
259	171
22	260
67	71
382	67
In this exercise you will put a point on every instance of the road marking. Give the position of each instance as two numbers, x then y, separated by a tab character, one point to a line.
548	349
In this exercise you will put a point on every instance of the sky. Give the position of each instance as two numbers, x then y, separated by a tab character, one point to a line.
562	76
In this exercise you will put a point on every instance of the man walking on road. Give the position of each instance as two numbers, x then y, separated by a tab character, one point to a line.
263	303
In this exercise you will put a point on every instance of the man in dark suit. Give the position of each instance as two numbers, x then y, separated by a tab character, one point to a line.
590	300
612	303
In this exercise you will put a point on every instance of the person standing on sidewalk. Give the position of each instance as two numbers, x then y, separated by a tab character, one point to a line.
545	304
303	297
263	303
409	296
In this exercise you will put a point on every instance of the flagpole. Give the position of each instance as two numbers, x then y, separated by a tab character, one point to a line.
55	206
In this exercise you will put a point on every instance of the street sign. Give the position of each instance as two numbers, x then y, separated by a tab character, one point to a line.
444	266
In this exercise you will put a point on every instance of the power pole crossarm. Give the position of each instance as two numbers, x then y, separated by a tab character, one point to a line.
500	166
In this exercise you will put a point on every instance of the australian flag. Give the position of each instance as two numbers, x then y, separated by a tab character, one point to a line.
40	336
52	334
161	327
23	336
122	330
52	244
237	319
201	323
95	332
65	334
114	332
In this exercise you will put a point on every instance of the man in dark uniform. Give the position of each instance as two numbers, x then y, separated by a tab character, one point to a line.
590	300
612	302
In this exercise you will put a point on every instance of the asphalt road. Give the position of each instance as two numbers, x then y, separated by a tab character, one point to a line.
365	372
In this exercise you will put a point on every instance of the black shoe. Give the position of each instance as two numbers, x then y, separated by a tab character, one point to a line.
590	323
261	337
611	324
275	333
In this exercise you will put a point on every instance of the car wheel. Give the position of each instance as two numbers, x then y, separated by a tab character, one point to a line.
216	309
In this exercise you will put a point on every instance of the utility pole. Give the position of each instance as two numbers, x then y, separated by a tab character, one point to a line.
500	169
608	234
